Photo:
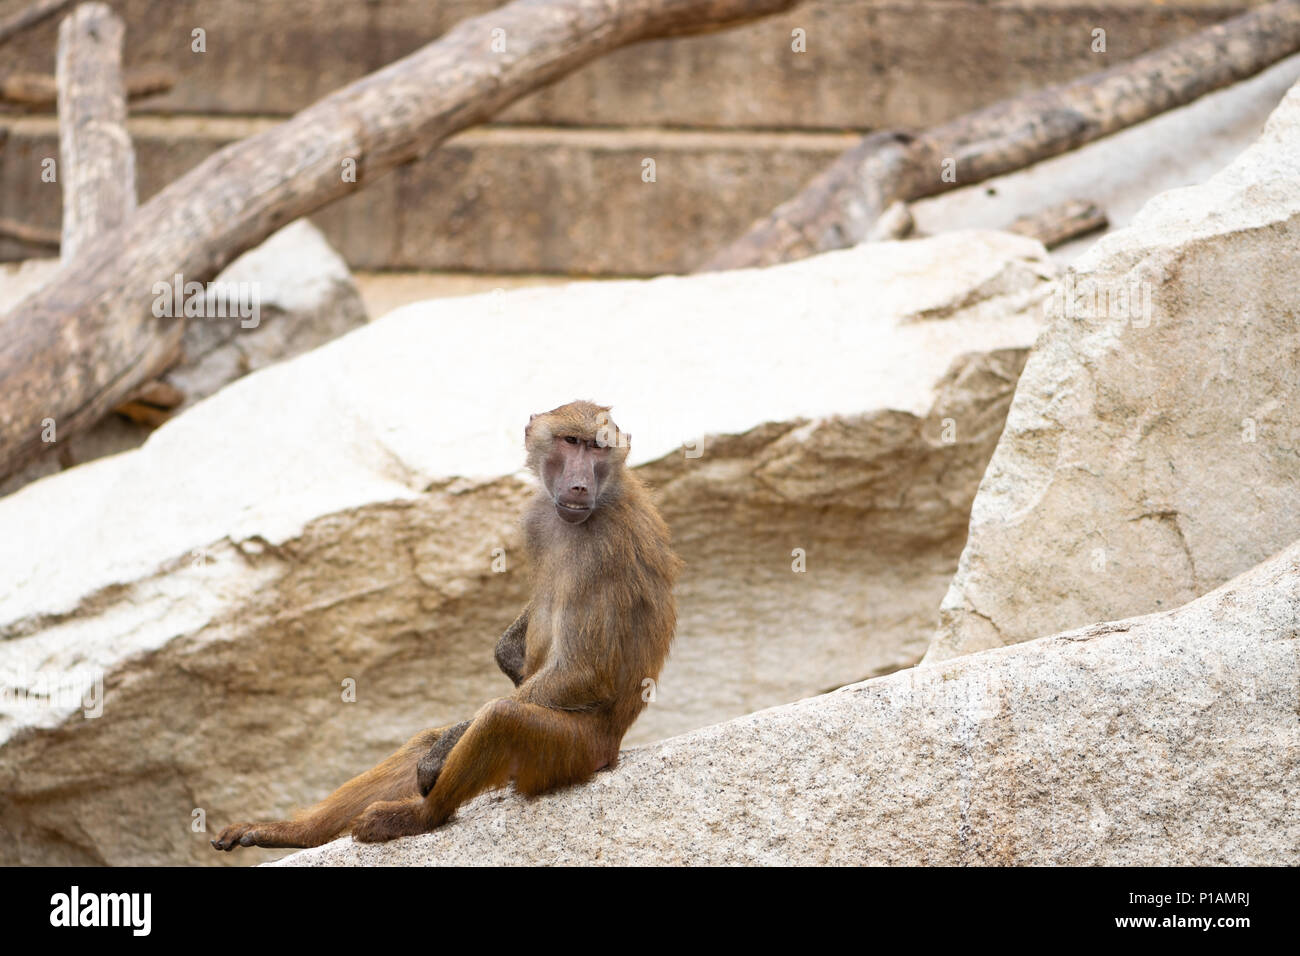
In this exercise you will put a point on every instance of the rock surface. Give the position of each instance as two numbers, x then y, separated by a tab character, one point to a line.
1153	447
306	297
1165	740
334	519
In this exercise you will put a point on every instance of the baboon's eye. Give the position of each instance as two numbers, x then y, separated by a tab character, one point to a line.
571	440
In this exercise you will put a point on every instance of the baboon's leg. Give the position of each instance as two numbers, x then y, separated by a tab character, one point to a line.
392	779
541	748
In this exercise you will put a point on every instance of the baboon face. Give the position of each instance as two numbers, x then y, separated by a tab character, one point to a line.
576	451
574	472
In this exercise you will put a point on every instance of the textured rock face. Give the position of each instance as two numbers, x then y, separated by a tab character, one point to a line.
1151	450
306	297
1163	740
335	524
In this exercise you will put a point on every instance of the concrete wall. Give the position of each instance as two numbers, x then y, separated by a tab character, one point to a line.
559	190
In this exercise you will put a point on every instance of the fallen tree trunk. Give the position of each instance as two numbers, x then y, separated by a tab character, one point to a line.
839	207
896	222
96	159
78	346
37	236
37	91
1058	224
30	16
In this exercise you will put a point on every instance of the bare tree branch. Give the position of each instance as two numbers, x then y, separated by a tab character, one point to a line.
96	159
77	347
1059	224
839	206
32	235
41	90
38	12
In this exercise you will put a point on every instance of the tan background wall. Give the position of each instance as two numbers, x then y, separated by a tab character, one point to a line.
735	121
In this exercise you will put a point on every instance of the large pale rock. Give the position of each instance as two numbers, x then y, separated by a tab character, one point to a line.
1151	450
337	518
1165	740
306	296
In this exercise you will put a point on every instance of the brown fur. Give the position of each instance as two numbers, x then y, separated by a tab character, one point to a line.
599	624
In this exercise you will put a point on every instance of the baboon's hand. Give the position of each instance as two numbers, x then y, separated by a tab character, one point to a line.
427	770
430	765
286	833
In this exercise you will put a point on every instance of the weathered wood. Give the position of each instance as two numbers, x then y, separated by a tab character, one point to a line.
151	404
32	235
75	348
96	154
1059	224
896	222
143	413
838	207
30	16
159	394
39	91
96	160
29	89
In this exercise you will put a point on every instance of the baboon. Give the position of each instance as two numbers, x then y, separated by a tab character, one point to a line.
594	634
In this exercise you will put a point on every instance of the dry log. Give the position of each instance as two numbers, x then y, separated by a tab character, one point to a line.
143	413
151	404
839	206
30	89
158	394
32	235
75	348
36	91
896	222
96	159
1059	224
30	16
96	155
